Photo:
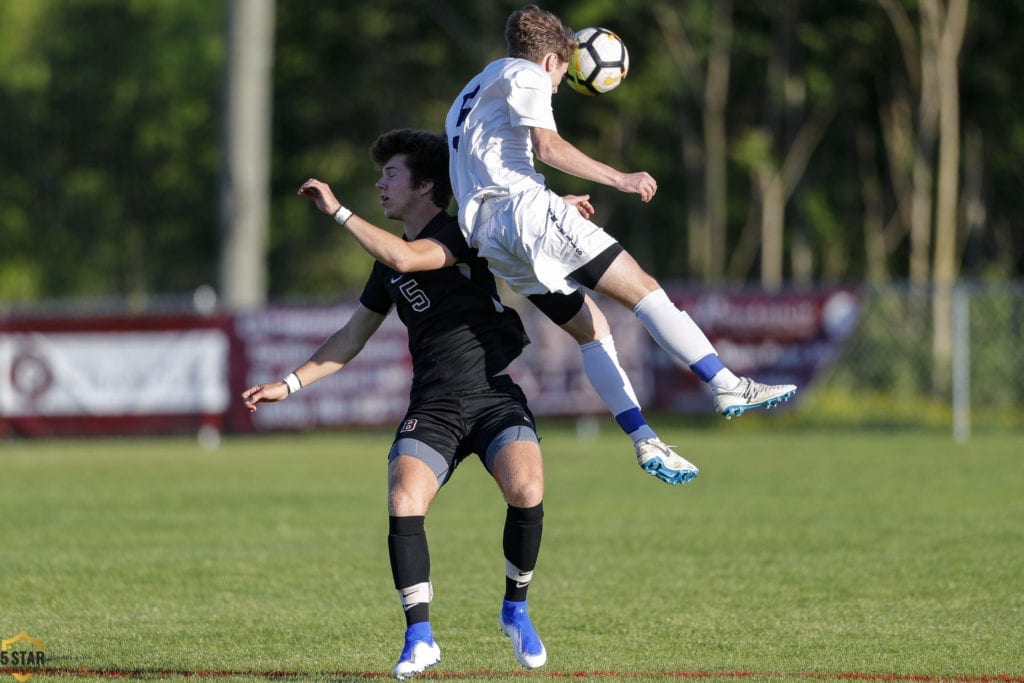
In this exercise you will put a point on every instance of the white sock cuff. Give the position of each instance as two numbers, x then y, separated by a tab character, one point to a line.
656	298
606	342
414	595
516	574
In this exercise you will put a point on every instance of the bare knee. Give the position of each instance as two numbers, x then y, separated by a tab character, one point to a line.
405	502
589	324
519	471
625	281
526	494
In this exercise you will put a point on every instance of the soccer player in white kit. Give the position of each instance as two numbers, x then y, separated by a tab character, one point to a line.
537	242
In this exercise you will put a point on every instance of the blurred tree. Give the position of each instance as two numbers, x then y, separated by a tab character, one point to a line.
24	78
700	46
931	54
797	143
948	20
990	104
345	74
110	147
916	142
244	186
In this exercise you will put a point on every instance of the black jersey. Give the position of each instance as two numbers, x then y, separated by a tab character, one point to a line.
460	335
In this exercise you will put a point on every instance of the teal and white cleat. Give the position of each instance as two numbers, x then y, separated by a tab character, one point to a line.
749	394
419	654
526	645
658	459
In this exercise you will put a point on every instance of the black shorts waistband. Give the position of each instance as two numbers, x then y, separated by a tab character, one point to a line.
503	381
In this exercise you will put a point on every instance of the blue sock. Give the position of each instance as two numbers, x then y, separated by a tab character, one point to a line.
711	370
633	423
707	367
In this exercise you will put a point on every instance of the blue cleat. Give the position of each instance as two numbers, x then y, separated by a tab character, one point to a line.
419	654
526	645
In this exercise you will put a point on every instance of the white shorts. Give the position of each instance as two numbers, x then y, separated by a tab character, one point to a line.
534	240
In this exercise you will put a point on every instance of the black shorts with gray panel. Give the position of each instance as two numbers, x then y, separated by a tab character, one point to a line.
443	430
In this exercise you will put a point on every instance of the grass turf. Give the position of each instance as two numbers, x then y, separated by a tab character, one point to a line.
795	554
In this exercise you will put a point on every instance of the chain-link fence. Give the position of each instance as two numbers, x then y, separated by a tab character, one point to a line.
924	357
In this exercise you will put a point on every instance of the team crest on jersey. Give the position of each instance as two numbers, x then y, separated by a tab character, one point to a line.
408	426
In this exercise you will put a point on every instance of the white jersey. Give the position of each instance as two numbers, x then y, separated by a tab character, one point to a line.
488	131
529	235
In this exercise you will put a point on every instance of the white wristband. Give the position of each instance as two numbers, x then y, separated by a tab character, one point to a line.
292	380
342	215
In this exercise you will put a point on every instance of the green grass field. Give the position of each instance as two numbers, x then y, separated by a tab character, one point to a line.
795	555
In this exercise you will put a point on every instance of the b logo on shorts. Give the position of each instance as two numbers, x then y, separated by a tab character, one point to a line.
408	426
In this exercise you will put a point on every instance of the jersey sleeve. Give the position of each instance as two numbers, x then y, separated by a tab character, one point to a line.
450	235
529	99
375	294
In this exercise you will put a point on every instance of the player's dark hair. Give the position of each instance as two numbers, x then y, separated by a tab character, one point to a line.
531	33
426	155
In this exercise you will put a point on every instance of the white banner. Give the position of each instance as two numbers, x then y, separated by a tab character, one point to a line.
113	373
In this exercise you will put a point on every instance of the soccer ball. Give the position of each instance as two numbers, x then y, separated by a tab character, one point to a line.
599	63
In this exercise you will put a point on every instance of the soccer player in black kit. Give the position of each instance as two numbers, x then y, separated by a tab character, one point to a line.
462	400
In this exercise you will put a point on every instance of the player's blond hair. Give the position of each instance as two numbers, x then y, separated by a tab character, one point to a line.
531	33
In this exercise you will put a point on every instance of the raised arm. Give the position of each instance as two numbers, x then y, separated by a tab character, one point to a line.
340	348
557	152
386	247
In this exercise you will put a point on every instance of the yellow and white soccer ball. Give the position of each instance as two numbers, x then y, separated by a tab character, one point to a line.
599	63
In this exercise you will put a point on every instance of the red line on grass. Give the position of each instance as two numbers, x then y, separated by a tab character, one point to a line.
478	673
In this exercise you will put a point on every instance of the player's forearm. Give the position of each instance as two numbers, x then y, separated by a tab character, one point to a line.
331	357
559	153
315	370
379	243
392	250
341	347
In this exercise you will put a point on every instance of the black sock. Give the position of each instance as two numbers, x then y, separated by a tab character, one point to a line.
410	562
521	542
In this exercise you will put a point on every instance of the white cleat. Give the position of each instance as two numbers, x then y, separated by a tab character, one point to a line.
657	458
749	394
417	657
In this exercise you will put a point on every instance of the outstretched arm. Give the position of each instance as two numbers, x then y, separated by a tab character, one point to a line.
340	348
557	152
386	247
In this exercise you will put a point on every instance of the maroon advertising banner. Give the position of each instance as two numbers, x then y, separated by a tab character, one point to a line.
373	389
176	374
774	338
114	375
